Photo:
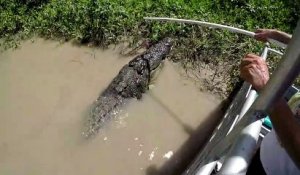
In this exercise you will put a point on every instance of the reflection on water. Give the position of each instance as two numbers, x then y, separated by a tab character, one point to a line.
45	91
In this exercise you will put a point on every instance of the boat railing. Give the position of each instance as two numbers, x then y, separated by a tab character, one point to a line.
236	138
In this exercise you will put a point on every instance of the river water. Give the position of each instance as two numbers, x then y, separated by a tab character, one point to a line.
46	89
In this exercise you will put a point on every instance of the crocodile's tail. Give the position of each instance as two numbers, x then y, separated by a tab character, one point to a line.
103	109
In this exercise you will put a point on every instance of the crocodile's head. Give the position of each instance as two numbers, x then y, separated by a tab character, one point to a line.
157	53
152	58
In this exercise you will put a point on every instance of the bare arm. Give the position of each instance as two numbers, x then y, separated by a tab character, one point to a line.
264	34
287	129
254	70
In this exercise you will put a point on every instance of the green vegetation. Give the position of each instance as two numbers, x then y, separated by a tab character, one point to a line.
104	22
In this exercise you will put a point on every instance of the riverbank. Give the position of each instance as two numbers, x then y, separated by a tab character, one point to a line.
102	23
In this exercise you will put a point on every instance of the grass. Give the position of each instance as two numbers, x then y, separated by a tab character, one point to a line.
105	22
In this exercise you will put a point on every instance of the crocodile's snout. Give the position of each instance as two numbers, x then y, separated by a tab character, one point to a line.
168	41
158	53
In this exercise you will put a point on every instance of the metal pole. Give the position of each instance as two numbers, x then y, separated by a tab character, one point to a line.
239	157
241	152
215	148
207	169
275	51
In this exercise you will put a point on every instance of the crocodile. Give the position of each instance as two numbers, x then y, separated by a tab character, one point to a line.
131	82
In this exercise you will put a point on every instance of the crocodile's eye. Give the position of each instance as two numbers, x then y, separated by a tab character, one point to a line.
140	72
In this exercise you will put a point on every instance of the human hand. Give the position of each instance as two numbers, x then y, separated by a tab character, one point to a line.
264	34
254	70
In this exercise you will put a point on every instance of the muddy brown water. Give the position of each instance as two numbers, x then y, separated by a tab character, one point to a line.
46	89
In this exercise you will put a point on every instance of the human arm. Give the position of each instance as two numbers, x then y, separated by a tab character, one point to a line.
254	70
287	129
264	34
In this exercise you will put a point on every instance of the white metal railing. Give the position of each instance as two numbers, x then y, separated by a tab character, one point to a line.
241	152
249	96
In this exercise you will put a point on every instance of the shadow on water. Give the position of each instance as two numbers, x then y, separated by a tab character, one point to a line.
189	130
193	145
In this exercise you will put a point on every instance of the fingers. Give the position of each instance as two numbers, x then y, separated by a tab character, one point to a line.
247	71
250	59
261	35
260	30
254	70
250	63
265	30
252	55
246	61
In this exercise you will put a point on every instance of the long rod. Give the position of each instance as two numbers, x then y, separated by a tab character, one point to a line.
213	25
